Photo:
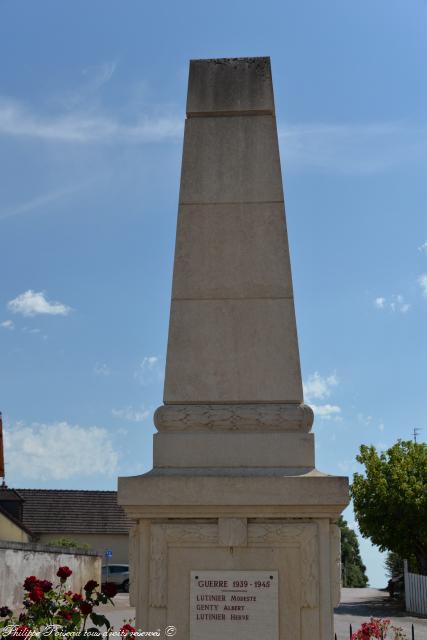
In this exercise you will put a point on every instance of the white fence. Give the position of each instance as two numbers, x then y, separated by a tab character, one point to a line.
415	592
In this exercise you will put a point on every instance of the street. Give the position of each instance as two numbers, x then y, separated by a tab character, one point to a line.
358	605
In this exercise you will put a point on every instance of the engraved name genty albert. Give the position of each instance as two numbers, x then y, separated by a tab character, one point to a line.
241	603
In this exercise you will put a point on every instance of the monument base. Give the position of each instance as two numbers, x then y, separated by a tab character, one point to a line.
241	530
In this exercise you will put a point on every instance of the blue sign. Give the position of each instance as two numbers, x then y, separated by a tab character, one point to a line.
108	553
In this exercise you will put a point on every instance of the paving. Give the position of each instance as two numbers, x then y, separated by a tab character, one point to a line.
120	613
358	605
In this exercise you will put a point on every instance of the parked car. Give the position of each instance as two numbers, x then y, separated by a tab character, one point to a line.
117	573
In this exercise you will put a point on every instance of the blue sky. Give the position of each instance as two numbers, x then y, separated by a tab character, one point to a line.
92	99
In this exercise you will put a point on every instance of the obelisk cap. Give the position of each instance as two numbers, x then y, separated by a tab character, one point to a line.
224	86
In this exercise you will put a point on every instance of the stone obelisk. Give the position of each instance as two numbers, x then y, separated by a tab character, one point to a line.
235	531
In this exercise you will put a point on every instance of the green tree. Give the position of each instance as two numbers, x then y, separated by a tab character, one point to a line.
393	565
390	500
353	569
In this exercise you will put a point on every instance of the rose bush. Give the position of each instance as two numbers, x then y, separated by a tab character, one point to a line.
378	628
56	613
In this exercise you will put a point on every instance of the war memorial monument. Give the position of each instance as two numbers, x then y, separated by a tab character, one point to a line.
235	535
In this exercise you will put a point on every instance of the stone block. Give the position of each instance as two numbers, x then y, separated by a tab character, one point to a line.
232	251
233	351
311	493
231	449
229	85
233	532
231	160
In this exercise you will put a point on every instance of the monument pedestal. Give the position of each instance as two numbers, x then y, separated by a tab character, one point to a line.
235	535
214	521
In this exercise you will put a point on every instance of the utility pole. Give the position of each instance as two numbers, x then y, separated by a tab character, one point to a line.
416	432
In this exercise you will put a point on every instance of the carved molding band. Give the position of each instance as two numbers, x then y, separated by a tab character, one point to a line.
303	535
234	417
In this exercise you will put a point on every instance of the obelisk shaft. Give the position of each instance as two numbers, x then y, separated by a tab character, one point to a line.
232	333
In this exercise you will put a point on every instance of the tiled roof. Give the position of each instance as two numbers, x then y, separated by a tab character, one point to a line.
73	511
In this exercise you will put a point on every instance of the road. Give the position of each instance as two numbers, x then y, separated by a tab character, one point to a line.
358	605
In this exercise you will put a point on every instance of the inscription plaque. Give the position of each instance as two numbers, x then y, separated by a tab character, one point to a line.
242	605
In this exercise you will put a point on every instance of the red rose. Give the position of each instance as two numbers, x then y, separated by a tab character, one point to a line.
36	594
46	585
90	585
77	597
86	608
109	589
66	614
30	583
128	631
64	573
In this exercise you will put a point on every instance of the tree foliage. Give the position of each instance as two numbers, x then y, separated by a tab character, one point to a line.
390	500
353	569
68	543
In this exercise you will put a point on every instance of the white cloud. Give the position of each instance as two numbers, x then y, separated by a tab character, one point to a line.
422	281
379	303
381	426
325	411
396	304
85	126
319	387
59	451
149	370
32	303
423	248
8	324
354	148
131	414
101	369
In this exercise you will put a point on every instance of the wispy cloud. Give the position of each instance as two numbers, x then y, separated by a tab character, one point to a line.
131	414
149	370
396	304
80	126
318	387
325	411
354	148
422	281
32	303
7	324
100	74
101	369
423	248
40	201
89	451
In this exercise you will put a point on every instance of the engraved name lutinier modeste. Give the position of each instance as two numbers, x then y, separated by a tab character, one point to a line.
234	533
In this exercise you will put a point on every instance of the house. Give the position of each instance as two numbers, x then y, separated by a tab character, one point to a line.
12	528
87	517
